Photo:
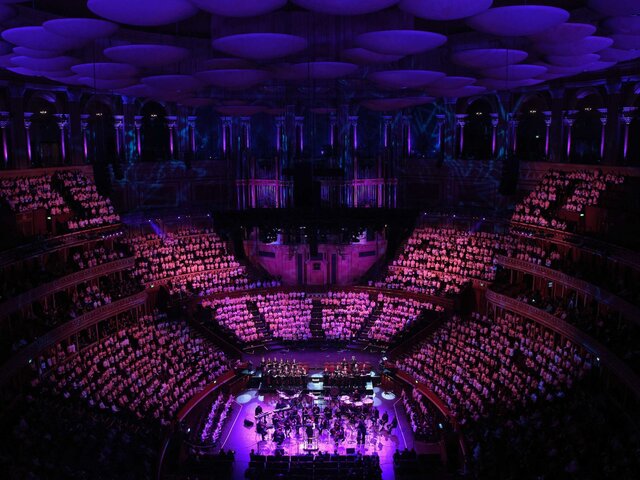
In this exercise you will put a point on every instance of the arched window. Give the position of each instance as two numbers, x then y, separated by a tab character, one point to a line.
586	131
477	131
101	137
44	133
531	132
155	134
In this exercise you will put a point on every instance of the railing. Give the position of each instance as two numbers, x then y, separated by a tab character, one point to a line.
433	398
628	310
28	297
24	356
608	358
593	245
51	244
446	303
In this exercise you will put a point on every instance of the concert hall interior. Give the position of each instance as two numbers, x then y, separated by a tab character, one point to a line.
319	239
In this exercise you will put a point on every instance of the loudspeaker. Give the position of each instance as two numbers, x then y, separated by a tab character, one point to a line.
248	423
351	451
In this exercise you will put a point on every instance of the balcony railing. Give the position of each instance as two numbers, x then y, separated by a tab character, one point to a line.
628	310
609	359
28	297
24	356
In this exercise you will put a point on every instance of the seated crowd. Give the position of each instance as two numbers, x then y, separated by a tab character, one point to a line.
344	314
150	369
621	336
286	314
193	260
69	193
481	366
92	209
438	261
233	315
18	278
43	316
560	190
397	315
420	415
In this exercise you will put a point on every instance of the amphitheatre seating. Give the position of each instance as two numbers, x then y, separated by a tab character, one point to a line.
344	314
397	314
150	370
479	366
286	314
560	190
233	315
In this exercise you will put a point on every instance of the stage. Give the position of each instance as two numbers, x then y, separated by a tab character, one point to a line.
243	439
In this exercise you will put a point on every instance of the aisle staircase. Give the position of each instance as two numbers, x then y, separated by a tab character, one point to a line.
316	321
268	342
361	341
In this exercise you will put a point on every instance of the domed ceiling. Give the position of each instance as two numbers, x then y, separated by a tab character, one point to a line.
374	52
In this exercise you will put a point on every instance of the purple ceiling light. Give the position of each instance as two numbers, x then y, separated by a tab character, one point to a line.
147	55
444	9
322	70
30	52
400	42
238	78
86	28
496	84
225	64
599	65
71	80
627	25
581	47
362	56
239	8
468	91
573	60
618	55
626	42
143	12
488	57
105	71
24	71
260	46
518	20
405	78
616	7
392	104
565	33
515	72
5	60
45	64
451	83
108	83
38	38
345	7
178	83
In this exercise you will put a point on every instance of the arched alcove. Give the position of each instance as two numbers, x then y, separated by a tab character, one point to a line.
154	132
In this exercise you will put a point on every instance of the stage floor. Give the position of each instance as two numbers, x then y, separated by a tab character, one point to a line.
243	439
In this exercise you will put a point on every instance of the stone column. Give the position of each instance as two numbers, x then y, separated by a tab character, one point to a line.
461	122
406	126
386	130
4	123
279	131
513	124
333	122
84	126
245	123
603	122
226	134
555	148
299	134
137	123
627	118
27	132
118	125
547	123
494	132
613	127
172	122
63	123
191	124
568	121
